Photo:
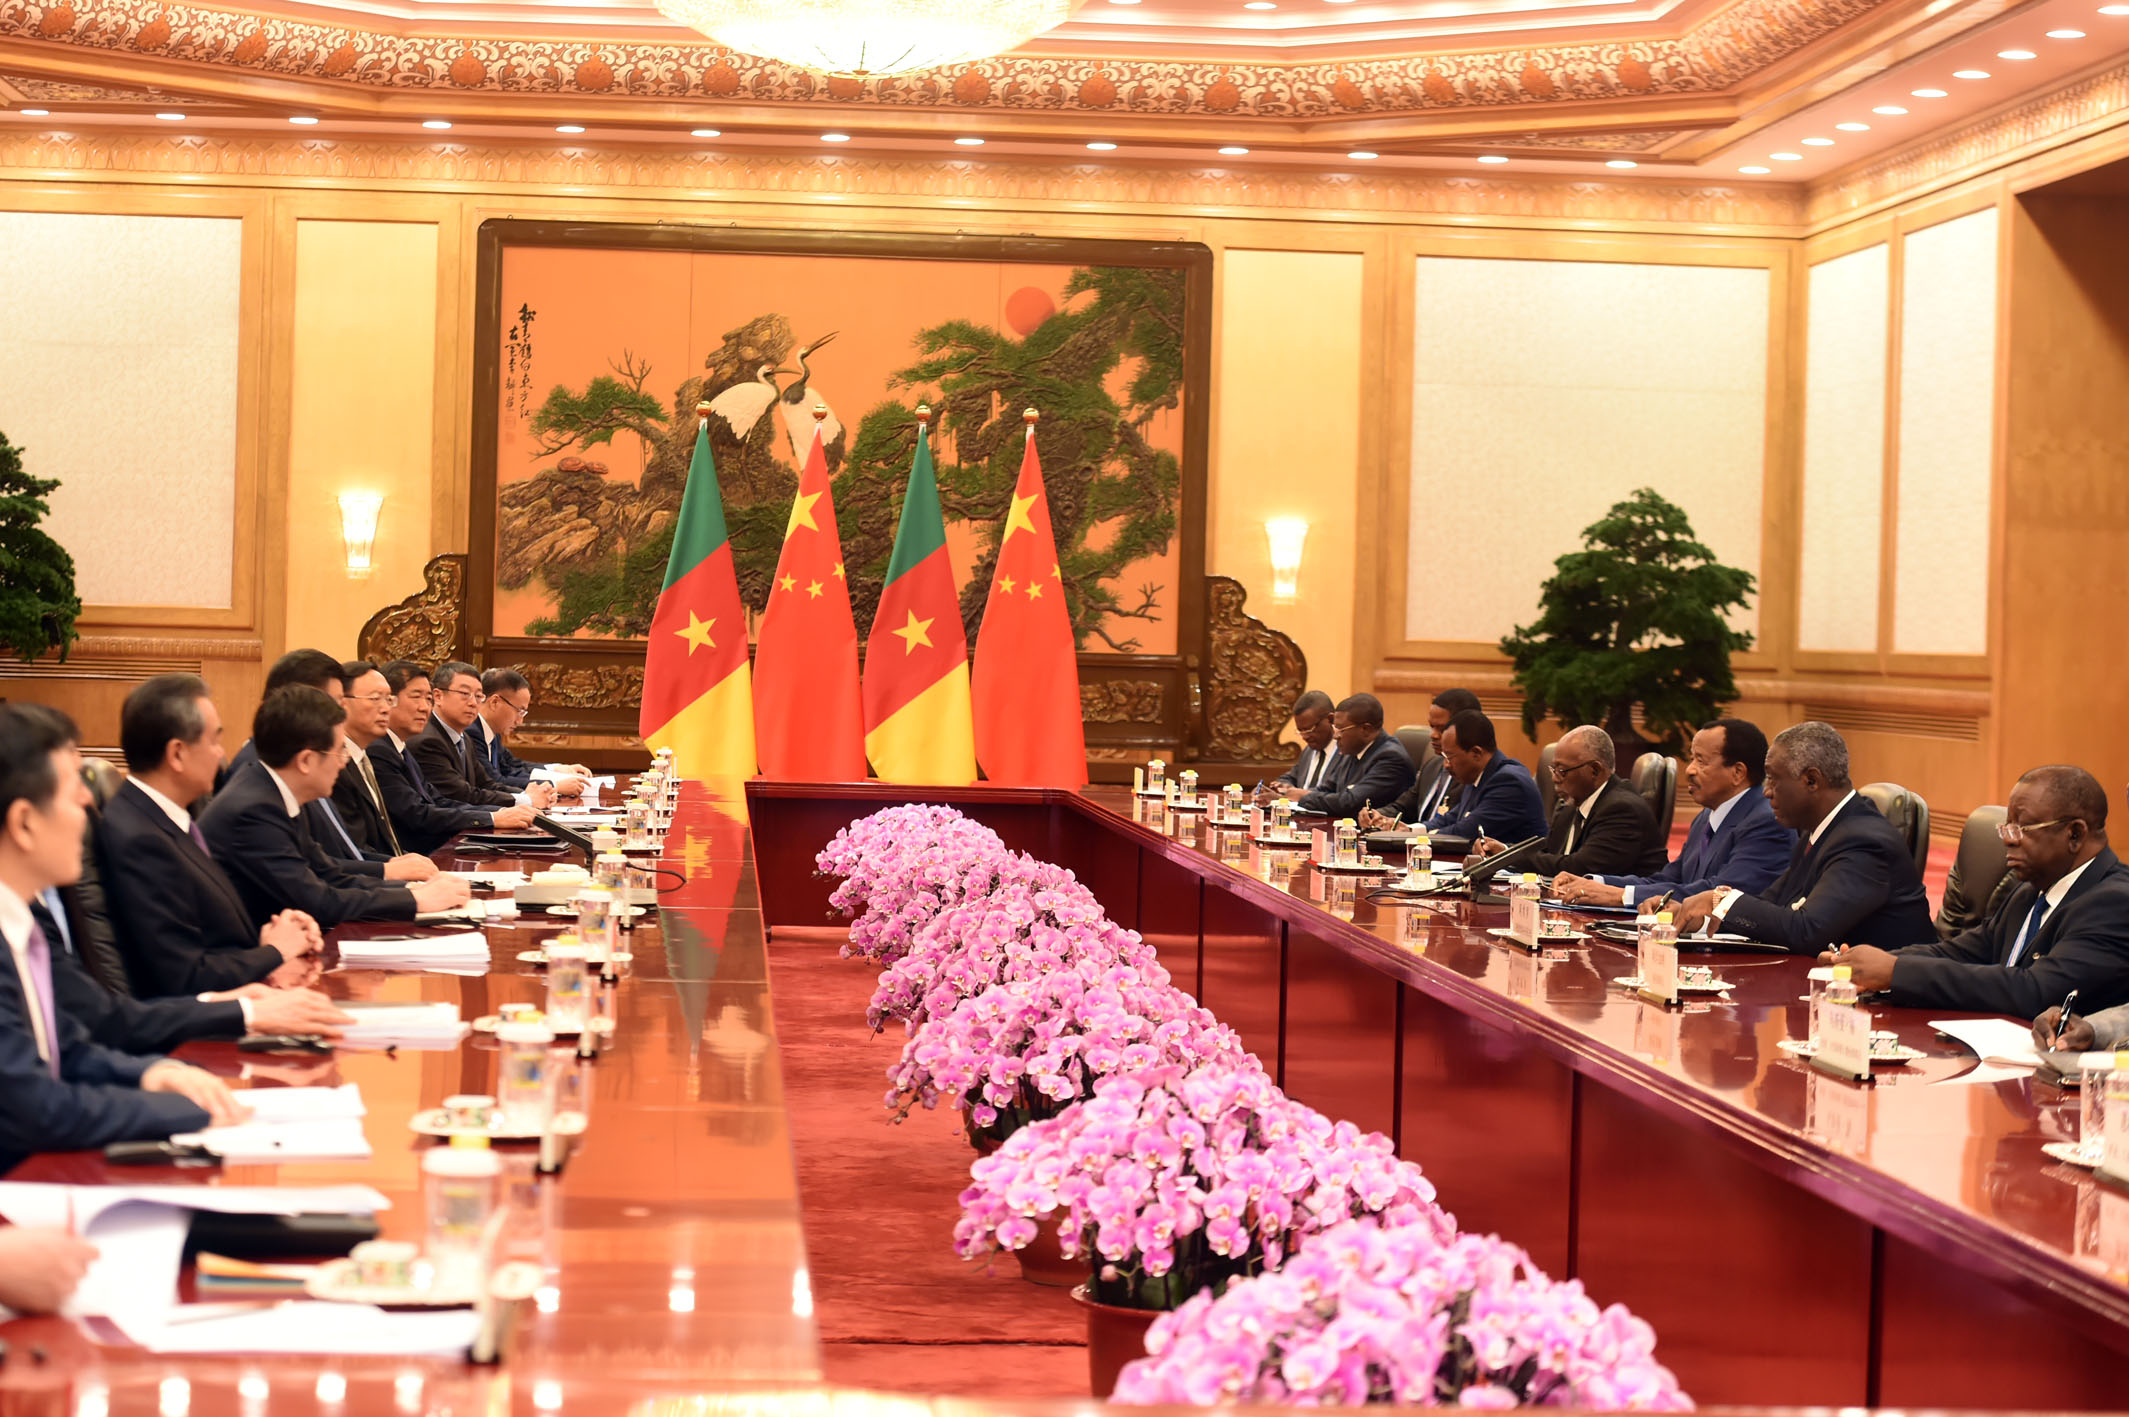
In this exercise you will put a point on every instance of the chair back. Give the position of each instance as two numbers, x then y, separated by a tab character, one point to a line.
1655	777
1980	871
104	778
1547	793
1418	741
1908	813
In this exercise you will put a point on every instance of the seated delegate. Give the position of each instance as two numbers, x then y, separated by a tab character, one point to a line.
1435	789
1499	798
1601	824
1370	766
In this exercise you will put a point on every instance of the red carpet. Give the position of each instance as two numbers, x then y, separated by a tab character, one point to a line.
897	1310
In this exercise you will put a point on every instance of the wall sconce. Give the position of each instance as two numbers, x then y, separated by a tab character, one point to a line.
358	529
1287	535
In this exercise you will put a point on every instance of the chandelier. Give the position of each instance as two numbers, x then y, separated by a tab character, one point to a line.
865	38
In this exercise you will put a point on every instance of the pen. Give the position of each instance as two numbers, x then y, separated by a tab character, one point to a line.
2062	1023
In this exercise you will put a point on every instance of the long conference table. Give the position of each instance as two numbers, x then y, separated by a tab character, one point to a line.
1793	1240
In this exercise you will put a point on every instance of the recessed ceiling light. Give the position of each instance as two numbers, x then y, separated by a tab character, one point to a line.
1260	5
968	142
35	112
1853	127
835	137
1890	110
1786	157
303	118
1932	93
1101	147
1123	2
706	132
1492	157
2114	9
1362	155
435	122
1970	73
1622	162
1818	142
1232	151
2066	34
1756	171
171	117
2016	54
569	127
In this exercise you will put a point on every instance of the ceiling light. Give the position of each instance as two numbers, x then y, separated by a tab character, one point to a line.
171	117
968	142
304	118
435	122
867	38
1362	155
34	112
2114	9
706	132
1103	147
1931	93
1853	127
1260	5
1756	170
1890	110
835	137
1970	73
1492	157
2016	54
1786	157
2066	34
1622	162
569	127
1123	2
1818	142
1232	151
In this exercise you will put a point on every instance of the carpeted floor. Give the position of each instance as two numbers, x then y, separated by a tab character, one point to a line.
897	1310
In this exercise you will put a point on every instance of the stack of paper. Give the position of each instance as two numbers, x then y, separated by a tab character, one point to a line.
1994	1040
393	1025
465	953
474	912
547	774
292	1123
302	1326
494	880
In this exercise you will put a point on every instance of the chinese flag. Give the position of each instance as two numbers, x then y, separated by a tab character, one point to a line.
809	721
1026	675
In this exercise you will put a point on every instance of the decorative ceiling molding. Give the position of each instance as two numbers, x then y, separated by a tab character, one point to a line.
1715	56
711	180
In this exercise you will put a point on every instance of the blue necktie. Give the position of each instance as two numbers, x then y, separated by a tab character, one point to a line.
325	810
58	914
2031	932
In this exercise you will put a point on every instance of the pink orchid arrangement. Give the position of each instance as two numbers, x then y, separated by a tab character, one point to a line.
900	868
1034	920
1181	1179
1024	1049
1374	1312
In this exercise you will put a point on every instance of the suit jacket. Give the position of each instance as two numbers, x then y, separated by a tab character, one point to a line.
1621	834
1432	791
181	923
1306	764
1378	775
507	768
2110	1027
118	1020
358	812
1750	851
423	820
2082	944
462	779
95	1100
338	840
277	866
1858	886
1504	801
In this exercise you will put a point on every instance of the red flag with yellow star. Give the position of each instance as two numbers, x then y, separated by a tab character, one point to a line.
696	696
809	721
1025	679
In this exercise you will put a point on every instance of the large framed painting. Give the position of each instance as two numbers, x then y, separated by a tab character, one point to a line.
597	343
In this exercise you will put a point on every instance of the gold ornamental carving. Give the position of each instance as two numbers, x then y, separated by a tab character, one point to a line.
1252	676
428	626
1122	701
583	686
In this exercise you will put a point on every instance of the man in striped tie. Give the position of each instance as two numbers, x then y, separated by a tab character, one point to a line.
58	1090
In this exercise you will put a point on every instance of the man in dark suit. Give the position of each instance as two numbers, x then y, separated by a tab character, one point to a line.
1601	824
423	818
502	713
1371	765
1851	878
299	666
256	828
181	924
1312	720
445	754
357	803
1435	790
1499	798
60	1091
1733	840
2065	927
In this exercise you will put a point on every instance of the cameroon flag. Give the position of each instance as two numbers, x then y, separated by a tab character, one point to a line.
697	697
1029	730
918	724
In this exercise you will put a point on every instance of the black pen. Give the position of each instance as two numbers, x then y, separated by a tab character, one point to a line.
2062	1024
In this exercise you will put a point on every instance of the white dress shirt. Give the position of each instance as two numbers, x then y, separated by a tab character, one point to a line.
1729	896
16	923
175	813
288	797
2053	896
1717	815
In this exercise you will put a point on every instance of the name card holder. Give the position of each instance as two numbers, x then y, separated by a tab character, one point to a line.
1319	847
2114	1157
1138	782
1844	1042
1523	916
1658	960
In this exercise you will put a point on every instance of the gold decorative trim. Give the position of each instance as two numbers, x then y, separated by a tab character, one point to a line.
1721	52
711	179
168	647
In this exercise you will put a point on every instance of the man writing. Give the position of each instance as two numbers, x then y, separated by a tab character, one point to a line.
1435	788
1734	838
1499	797
1312	720
1601	824
2065	927
1371	766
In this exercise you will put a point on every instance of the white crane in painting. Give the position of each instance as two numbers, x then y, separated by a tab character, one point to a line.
742	405
797	410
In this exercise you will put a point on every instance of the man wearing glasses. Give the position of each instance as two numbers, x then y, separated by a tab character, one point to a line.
508	705
1602	824
2065	927
448	756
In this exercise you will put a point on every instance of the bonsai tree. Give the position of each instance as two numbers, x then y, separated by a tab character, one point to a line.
1636	617
37	601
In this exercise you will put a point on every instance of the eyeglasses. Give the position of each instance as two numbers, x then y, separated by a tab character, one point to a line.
386	699
1559	772
471	696
2011	833
520	709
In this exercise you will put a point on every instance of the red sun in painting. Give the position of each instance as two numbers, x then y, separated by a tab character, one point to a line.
1026	309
